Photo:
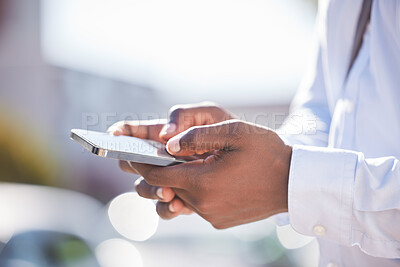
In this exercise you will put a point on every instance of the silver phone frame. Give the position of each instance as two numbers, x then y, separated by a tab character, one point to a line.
119	155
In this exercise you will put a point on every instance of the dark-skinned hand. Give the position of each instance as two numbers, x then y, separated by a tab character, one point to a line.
245	179
180	118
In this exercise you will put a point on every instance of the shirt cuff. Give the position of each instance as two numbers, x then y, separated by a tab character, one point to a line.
320	193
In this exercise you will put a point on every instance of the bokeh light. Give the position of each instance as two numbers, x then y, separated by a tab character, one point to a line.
133	216
118	252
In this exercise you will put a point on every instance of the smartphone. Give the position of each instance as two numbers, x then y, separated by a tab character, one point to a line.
124	148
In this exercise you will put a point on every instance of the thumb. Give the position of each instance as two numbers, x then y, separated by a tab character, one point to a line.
207	138
177	123
182	117
169	130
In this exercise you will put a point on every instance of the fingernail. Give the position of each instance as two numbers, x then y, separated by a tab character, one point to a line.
168	128
171	208
173	145
159	193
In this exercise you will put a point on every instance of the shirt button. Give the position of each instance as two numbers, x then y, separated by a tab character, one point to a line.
319	230
332	264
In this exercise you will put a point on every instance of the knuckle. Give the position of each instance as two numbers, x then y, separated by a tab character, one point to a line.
176	111
209	106
176	108
237	125
214	108
235	130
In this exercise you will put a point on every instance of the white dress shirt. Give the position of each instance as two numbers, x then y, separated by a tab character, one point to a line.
344	182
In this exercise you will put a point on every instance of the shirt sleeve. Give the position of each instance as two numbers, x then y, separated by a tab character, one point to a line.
310	117
340	196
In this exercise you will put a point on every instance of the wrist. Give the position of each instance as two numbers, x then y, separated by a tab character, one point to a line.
283	179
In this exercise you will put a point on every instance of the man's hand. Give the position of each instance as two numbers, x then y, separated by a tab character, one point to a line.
181	117
245	178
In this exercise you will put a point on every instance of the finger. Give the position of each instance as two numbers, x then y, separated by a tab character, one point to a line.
163	194
120	128
188	199
182	117
149	129
175	206
172	209
202	139
176	176
127	167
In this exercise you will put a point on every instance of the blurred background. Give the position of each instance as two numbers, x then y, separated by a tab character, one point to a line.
89	63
